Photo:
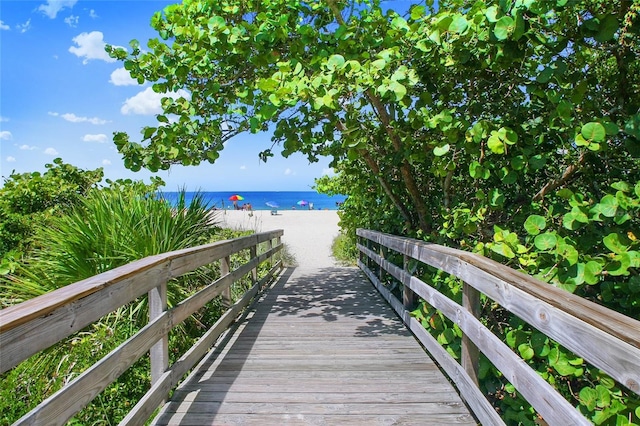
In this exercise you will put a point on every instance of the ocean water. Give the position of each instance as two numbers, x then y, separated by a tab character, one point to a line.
285	200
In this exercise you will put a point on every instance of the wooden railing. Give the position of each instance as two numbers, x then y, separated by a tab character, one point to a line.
606	339
29	327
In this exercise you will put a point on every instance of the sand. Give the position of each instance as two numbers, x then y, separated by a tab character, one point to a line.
308	234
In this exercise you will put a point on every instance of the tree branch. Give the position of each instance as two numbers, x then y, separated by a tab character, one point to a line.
568	172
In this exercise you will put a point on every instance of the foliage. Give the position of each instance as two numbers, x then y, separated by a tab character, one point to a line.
110	227
509	128
343	251
28	199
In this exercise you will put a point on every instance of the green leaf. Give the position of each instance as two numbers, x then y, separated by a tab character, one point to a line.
267	85
621	186
608	205
496	197
458	25
512	338
588	397
570	221
619	265
534	224
492	14
216	22
149	131
592	271
616	243
503	250
526	351
398	89
379	64
335	62
604	397
439	151
504	27
399	23
593	132
495	144
607	28
417	12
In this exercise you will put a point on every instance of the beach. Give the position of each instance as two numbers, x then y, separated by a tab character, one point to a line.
308	234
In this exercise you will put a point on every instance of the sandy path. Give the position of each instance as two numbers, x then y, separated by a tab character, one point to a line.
307	234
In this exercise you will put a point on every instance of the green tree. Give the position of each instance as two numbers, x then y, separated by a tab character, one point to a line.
28	199
507	127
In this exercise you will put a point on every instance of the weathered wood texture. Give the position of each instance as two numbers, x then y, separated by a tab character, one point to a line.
607	339
38	323
321	347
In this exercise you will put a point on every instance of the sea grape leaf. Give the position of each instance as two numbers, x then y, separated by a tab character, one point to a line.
534	224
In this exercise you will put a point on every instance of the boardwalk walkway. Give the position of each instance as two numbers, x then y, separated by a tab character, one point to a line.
321	348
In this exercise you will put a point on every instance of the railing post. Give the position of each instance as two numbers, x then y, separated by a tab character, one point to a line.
409	298
224	270
279	253
253	252
470	358
159	352
381	272
269	247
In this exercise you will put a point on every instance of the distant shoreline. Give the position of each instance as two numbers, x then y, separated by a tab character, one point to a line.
262	200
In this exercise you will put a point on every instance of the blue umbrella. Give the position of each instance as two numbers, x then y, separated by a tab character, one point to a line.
302	203
272	204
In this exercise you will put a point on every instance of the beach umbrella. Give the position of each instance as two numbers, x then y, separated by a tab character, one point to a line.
236	197
302	203
272	204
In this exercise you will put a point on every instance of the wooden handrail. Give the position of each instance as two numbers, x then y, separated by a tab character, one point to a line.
34	325
606	339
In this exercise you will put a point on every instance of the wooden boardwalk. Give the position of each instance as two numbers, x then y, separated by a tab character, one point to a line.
322	348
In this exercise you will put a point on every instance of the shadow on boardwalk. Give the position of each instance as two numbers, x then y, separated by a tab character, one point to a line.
320	347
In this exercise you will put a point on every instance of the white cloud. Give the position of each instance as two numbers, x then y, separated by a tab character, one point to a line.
77	119
52	7
93	14
27	147
243	167
23	28
6	135
101	138
289	172
147	102
106	162
72	20
51	151
328	172
2	119
11	159
121	77
4	26
90	46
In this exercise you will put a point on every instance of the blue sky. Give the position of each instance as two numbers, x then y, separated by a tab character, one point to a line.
62	96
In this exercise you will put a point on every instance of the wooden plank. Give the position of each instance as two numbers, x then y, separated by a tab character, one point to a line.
406	419
292	357
266	408
315	397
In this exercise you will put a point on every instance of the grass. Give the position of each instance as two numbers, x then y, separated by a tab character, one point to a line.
344	250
